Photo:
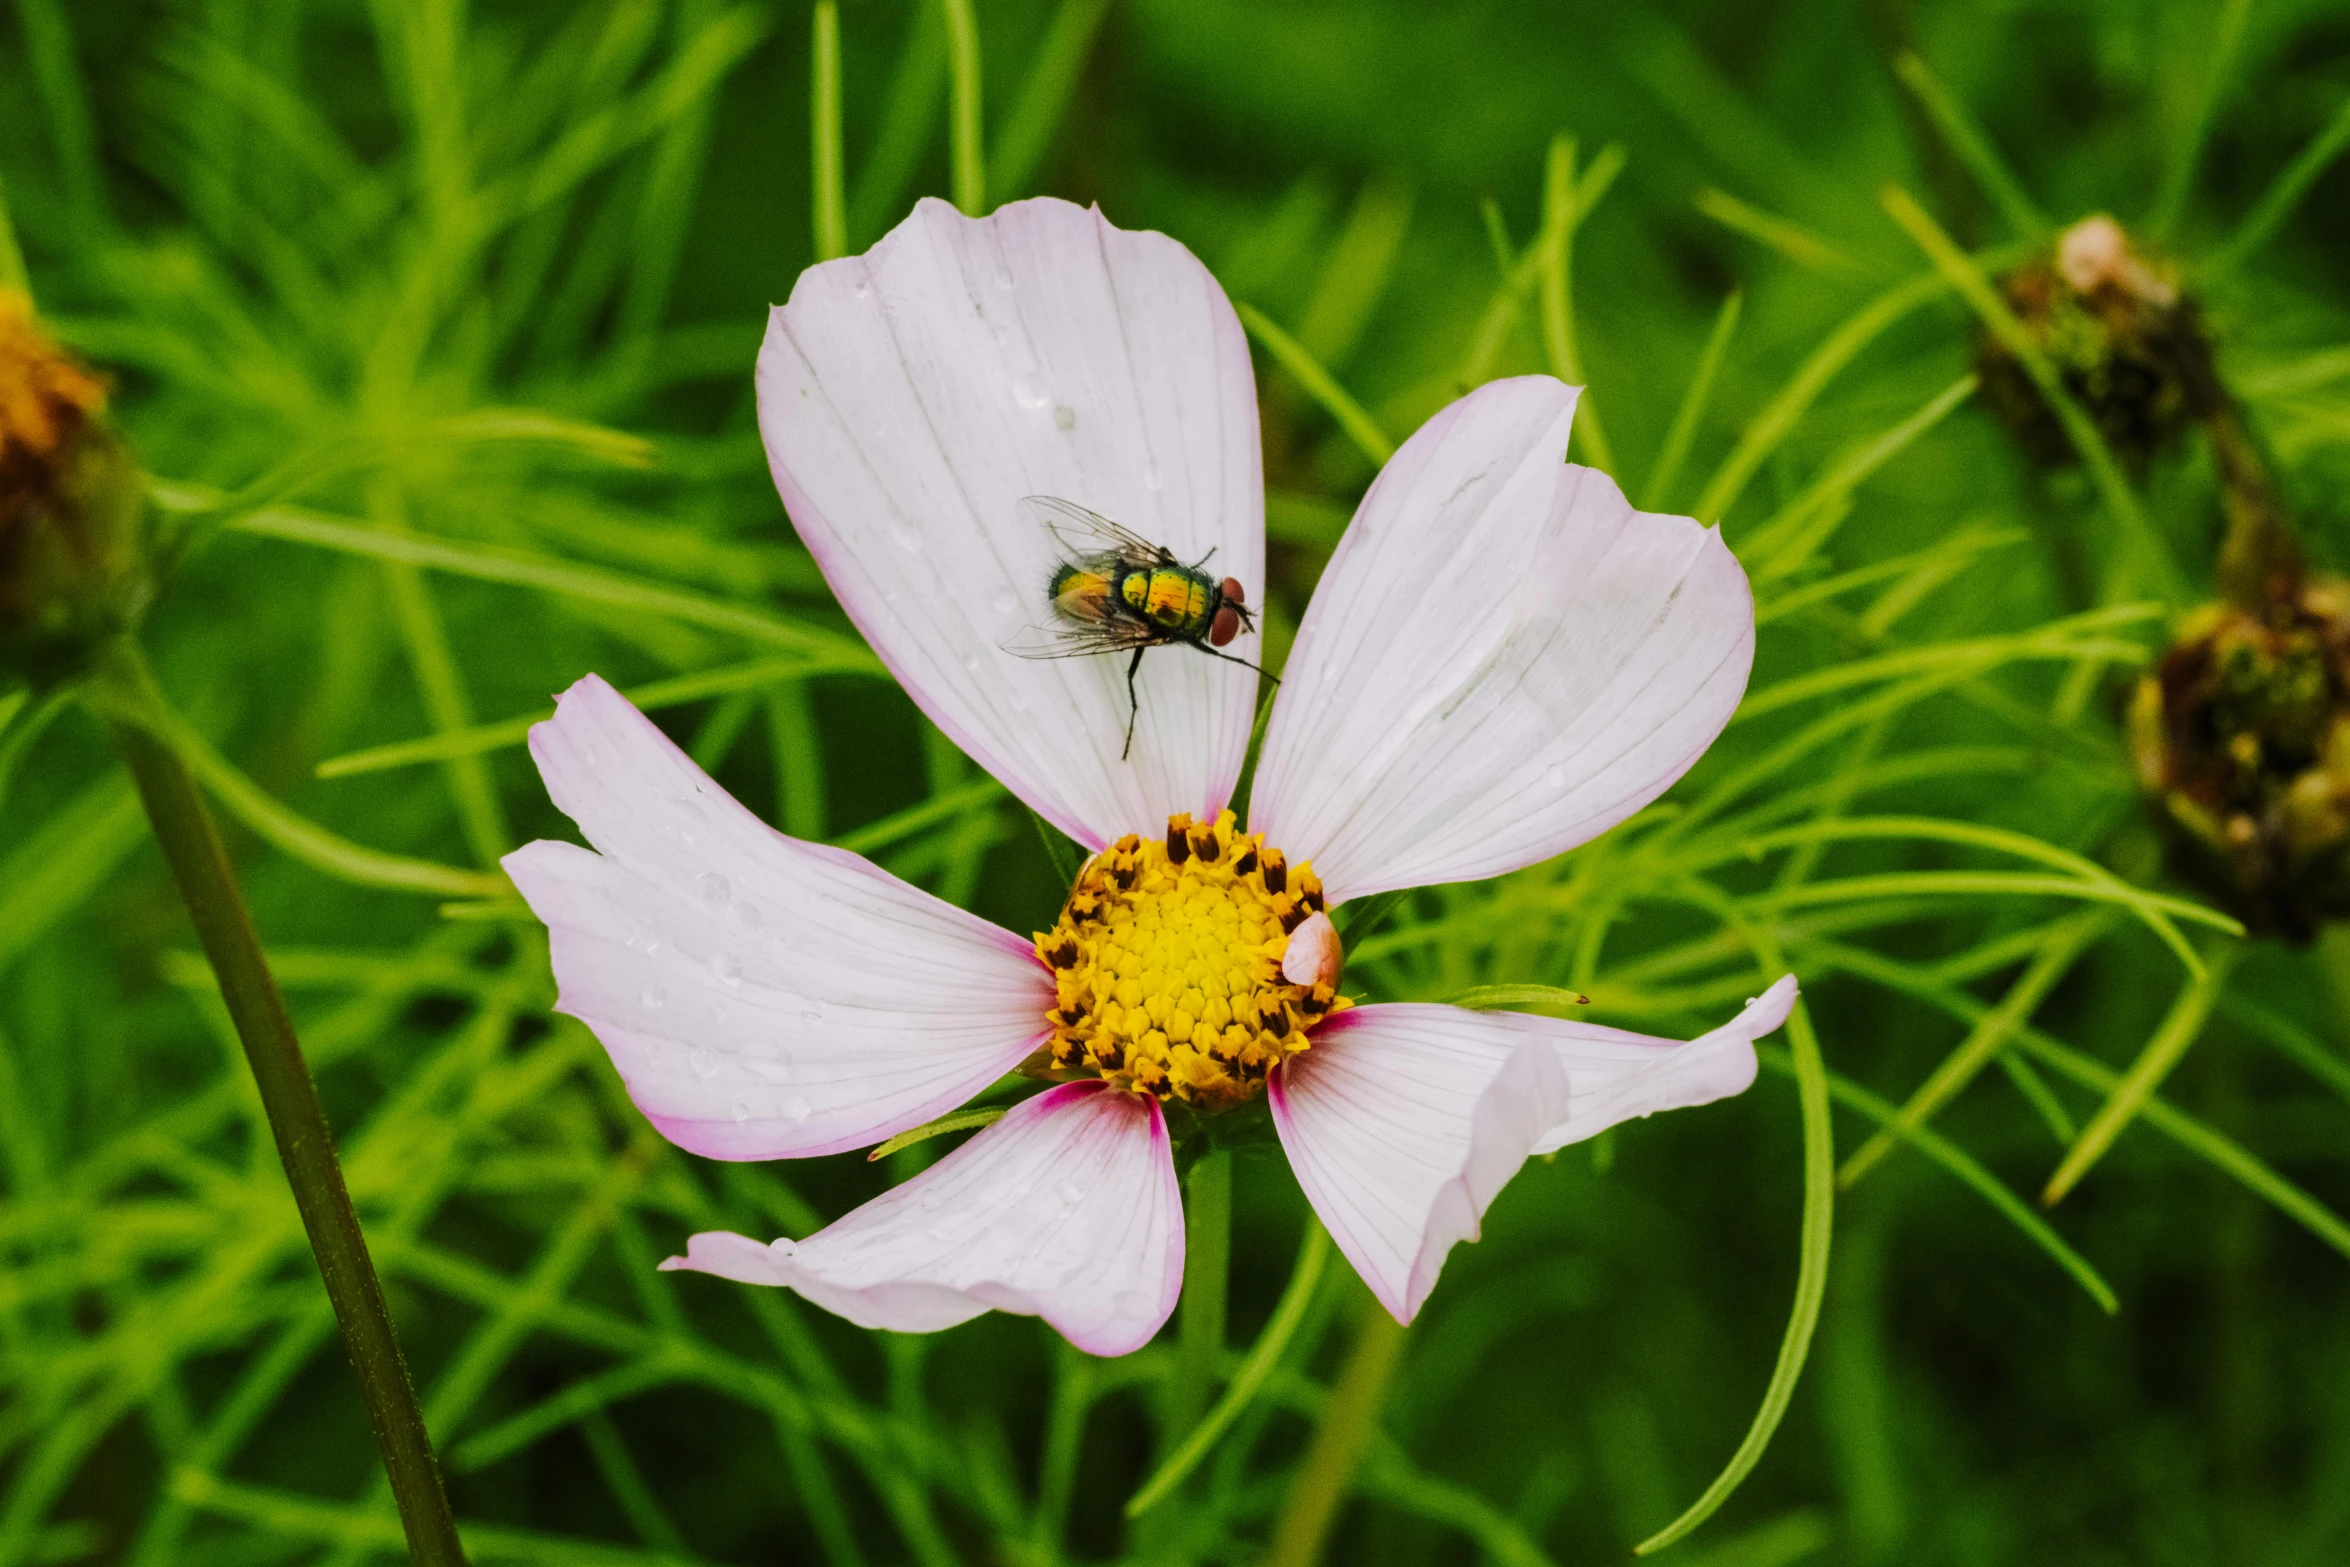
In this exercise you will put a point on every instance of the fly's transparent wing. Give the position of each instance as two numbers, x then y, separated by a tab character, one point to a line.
1088	536
1066	641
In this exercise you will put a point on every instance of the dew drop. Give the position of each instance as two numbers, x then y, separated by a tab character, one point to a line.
1004	278
741	1110
812	1013
1065	416
1004	602
1029	390
704	1061
747	916
1071	1194
728	968
797	1110
713	887
1152	479
654	998
971	662
906	537
1557	776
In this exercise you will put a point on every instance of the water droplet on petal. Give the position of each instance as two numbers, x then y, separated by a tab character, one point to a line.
1004	278
797	1110
704	1061
1065	416
1557	776
713	887
654	998
1029	390
747	916
1071	1194
1005	601
906	537
813	1012
728	968
741	1110
1152	479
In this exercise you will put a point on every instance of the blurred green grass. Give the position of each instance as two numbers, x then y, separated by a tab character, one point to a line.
455	307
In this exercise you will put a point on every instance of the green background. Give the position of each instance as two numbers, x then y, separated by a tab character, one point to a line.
458	305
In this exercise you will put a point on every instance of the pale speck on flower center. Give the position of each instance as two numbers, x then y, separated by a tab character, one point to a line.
1166	963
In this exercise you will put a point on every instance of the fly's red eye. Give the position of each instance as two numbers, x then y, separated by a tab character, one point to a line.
1230	588
1224	627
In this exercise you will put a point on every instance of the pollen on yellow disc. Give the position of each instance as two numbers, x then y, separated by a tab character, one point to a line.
1167	965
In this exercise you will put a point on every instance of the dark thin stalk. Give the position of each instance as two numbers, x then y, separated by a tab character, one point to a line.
207	882
2259	558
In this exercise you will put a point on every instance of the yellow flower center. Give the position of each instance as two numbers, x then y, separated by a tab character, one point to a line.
1167	960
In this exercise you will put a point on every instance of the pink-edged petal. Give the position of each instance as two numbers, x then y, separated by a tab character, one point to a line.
1403	1121
1616	1075
1502	660
912	397
1402	1132
763	998
1066	1209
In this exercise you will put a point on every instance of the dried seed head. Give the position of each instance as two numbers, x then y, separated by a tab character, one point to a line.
2241	736
73	534
2123	340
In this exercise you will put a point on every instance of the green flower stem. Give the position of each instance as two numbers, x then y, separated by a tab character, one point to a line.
824	135
1207	1263
967	166
200	865
1349	1421
1312	1255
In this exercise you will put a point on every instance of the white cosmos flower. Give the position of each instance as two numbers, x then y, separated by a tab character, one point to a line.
1503	660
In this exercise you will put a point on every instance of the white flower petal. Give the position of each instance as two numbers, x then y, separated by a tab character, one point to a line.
1616	1075
1502	661
1402	1131
762	997
1066	1209
911	397
1314	955
1403	1122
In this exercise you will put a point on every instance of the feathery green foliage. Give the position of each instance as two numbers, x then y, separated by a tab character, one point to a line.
435	323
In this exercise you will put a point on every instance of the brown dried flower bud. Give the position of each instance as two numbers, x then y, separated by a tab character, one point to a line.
73	516
2124	341
2242	737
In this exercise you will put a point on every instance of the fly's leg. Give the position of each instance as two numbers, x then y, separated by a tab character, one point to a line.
1133	702
1204	559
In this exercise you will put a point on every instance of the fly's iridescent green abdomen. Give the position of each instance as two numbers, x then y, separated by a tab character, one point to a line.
1115	591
